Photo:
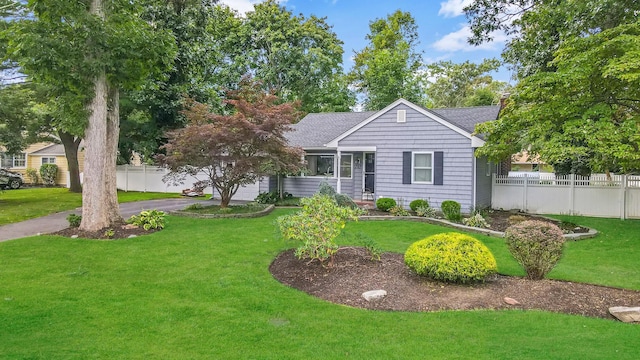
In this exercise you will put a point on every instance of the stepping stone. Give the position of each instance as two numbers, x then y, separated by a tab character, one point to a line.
511	301
374	295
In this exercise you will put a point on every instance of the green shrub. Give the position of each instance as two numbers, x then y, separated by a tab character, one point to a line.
426	211
49	173
415	204
451	257
399	211
267	197
385	204
32	174
537	245
341	199
476	221
148	219
74	220
451	210
316	226
195	206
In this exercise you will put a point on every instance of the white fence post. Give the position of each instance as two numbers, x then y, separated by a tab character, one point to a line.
525	193
126	177
623	197
572	196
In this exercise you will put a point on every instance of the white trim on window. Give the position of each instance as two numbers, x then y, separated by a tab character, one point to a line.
47	160
322	175
350	166
414	168
21	158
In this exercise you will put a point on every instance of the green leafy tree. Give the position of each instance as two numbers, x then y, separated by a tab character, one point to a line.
464	84
237	149
86	52
589	107
297	58
389	67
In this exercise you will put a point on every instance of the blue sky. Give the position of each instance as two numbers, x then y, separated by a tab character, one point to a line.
442	26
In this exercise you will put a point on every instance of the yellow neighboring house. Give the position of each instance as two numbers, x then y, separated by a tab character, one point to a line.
37	154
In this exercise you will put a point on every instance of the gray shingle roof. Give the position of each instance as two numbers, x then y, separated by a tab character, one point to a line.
467	118
315	130
55	149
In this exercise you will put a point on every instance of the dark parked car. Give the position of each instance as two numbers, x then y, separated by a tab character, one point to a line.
9	179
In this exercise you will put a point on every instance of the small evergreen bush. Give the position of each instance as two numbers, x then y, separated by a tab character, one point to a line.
148	219
74	220
385	204
451	210
451	257
341	199
49	173
426	211
415	204
537	245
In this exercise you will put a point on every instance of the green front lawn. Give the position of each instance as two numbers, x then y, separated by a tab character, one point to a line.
28	203
201	289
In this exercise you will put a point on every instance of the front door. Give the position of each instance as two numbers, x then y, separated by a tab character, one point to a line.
369	173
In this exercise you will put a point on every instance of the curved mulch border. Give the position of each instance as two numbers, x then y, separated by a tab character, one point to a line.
260	213
355	273
578	236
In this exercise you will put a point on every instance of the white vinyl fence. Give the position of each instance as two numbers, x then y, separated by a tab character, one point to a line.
593	195
149	178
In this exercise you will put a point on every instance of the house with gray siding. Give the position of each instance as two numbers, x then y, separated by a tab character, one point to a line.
403	151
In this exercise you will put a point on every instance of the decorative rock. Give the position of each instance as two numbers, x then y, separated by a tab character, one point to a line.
74	236
374	295
130	226
132	236
511	301
625	314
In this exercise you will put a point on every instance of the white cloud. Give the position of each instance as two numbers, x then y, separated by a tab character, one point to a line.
244	6
453	8
457	41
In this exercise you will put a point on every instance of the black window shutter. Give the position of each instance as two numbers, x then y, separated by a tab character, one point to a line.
406	167
437	167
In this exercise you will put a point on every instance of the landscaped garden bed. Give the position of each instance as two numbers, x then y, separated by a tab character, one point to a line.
497	220
354	272
250	210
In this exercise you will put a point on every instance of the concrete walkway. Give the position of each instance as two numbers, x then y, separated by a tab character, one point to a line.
58	221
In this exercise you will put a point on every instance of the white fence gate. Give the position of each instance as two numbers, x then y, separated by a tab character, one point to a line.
149	178
593	195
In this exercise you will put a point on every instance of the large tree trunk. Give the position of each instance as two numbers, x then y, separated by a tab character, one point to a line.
99	196
71	145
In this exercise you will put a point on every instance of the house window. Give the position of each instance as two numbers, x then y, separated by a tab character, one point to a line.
319	165
19	160
345	166
422	168
48	160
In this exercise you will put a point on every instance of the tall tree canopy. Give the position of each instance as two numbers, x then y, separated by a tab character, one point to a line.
577	97
86	51
298	58
464	84
234	150
389	67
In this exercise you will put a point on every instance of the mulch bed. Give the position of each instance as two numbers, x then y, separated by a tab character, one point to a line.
120	231
499	220
354	273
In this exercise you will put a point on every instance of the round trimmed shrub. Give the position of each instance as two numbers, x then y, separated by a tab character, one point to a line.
451	210
385	204
537	245
415	204
451	257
